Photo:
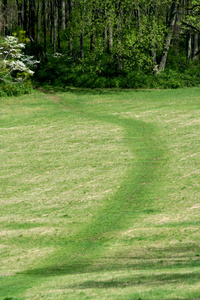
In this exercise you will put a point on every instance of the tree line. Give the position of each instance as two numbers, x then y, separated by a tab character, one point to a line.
107	38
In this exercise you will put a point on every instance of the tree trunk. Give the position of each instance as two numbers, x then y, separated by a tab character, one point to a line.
153	15
32	20
82	44
44	25
92	42
55	22
105	38
139	23
172	21
19	13
59	9
37	19
25	16
195	46
53	28
110	36
69	17
5	23
63	15
120	37
189	45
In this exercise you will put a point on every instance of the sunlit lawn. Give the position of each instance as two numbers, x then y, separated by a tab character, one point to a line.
100	195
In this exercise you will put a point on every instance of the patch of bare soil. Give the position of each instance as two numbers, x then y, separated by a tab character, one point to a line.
50	94
196	206
55	98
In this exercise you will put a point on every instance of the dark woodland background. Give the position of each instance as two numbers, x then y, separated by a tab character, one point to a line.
108	44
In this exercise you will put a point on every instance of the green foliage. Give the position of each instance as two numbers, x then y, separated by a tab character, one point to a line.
106	43
20	34
102	69
9	88
174	79
15	67
15	89
55	72
121	48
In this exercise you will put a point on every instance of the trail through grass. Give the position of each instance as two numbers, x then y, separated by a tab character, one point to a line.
100	195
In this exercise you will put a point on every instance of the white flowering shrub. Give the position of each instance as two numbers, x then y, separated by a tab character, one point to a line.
15	66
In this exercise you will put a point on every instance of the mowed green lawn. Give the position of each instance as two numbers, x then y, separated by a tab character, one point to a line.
100	195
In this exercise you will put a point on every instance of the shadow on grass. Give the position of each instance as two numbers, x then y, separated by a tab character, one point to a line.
135	280
49	89
147	273
110	264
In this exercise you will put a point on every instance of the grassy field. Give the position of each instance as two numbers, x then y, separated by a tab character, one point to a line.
100	195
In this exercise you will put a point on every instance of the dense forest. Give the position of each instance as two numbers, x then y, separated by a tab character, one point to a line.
118	43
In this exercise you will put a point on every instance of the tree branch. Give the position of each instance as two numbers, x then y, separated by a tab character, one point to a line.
193	7
11	82
191	26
